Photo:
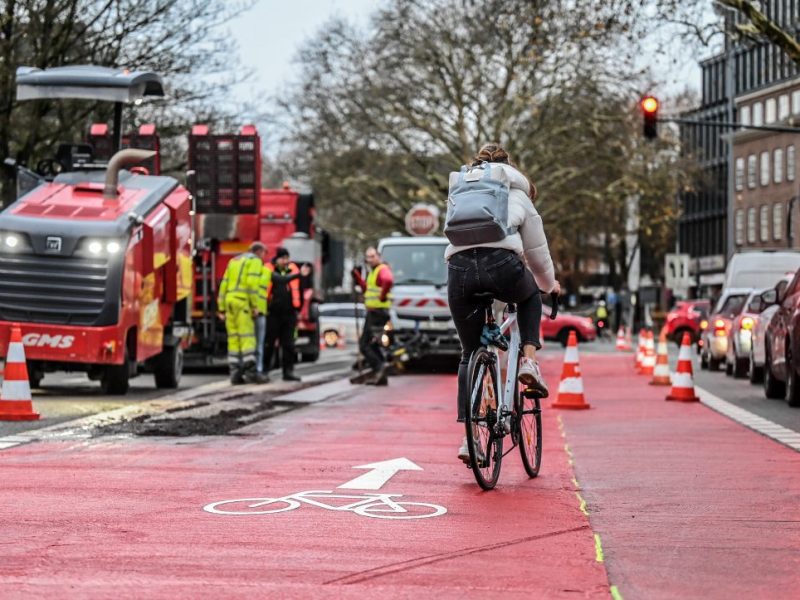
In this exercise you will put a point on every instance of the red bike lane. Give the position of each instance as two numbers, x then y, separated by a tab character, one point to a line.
686	502
125	517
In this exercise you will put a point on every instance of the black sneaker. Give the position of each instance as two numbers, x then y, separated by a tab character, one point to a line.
291	377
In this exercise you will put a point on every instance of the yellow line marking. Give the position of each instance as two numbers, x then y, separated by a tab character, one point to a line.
598	549
575	483
583	504
569	454
615	593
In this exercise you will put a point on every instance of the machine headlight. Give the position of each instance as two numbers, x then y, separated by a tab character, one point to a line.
95	247
12	241
99	247
113	247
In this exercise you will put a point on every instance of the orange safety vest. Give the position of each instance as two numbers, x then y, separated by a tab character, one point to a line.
294	286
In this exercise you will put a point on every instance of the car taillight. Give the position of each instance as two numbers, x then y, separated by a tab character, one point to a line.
720	330
719	324
748	323
703	324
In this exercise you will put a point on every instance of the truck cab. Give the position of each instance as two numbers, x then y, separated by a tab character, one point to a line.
420	313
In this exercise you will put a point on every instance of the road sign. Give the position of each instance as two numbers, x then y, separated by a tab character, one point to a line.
676	271
422	219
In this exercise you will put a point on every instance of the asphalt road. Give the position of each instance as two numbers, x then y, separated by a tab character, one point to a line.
66	396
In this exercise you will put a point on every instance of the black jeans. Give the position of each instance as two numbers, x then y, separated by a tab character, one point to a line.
280	328
502	274
370	341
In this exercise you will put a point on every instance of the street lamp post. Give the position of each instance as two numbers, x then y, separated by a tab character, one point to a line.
730	92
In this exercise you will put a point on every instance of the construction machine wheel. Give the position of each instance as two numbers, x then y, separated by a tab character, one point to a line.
115	380
168	367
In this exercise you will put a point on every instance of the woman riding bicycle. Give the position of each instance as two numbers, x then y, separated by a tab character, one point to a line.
499	269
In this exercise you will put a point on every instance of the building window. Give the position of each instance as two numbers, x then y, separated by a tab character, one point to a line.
764	222
790	164
769	110
783	107
739	227
751	225
777	221
796	102
764	168
758	114
751	171
777	165
744	115
739	174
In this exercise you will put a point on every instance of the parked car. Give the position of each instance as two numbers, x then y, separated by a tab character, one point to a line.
782	344
757	348
740	336
714	338
686	317
559	328
337	321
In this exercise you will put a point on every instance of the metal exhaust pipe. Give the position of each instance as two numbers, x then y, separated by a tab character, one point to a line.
123	158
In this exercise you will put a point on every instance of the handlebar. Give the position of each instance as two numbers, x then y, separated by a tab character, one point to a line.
554	307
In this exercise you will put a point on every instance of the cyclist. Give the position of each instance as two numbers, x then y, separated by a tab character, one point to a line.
515	269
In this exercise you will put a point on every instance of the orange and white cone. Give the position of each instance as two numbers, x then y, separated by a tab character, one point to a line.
639	350
661	372
16	403
649	358
622	343
570	388
682	379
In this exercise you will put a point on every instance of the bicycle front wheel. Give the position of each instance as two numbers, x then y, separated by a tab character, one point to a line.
485	447
529	421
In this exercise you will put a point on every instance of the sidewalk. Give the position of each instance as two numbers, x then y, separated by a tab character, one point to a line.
687	503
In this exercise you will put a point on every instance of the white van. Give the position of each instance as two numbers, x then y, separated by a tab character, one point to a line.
760	269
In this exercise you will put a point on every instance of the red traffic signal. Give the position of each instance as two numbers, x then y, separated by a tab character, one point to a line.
649	106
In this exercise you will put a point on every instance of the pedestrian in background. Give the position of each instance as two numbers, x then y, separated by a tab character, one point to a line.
240	302
284	302
377	300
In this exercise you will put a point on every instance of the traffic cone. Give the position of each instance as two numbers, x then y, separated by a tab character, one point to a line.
661	372
682	379
570	388
639	351
649	358
16	403
622	343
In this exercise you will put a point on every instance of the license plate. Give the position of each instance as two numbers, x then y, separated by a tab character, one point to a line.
301	340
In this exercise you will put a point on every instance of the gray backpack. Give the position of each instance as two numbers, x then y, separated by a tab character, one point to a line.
477	206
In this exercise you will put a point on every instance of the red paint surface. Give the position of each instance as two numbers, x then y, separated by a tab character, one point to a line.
688	503
124	518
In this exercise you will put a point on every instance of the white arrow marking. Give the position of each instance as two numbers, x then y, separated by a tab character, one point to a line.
380	473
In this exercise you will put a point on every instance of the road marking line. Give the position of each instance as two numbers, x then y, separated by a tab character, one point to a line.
583	504
779	433
615	595
598	549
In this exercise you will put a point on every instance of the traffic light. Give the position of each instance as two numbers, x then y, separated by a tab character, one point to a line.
649	106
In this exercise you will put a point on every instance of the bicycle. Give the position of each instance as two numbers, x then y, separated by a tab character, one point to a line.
378	506
488	423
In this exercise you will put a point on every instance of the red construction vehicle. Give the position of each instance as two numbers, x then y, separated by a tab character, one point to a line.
96	261
233	211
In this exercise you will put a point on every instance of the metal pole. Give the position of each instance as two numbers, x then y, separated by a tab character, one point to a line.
117	141
730	92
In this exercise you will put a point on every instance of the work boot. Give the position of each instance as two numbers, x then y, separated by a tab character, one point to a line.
361	377
290	377
236	375
531	375
378	377
257	378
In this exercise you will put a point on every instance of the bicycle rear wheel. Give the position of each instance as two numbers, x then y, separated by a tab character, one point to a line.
529	422
485	448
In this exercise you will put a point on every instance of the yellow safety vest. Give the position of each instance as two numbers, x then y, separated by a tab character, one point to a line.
245	278
372	295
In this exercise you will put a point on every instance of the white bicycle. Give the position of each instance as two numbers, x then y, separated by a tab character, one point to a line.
518	412
377	506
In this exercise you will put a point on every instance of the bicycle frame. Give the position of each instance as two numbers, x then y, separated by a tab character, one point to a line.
506	393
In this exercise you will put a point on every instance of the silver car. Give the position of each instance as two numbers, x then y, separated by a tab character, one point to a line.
340	323
758	350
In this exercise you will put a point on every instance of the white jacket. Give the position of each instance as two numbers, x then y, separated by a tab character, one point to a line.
529	241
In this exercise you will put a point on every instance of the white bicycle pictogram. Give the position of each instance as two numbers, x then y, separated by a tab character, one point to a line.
377	506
